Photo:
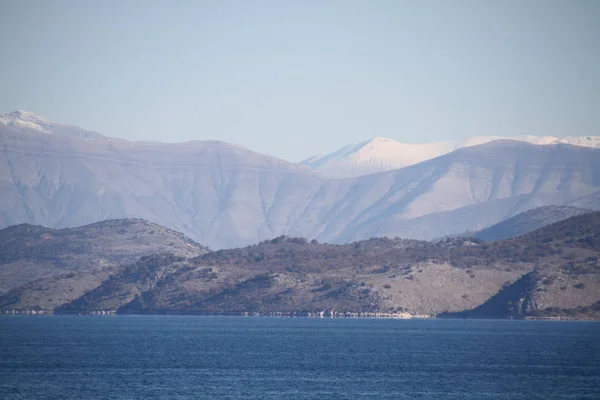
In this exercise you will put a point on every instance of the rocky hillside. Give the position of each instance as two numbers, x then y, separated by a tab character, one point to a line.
565	280
292	275
71	261
552	271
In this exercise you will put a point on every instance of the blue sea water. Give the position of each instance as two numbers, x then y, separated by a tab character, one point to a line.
176	357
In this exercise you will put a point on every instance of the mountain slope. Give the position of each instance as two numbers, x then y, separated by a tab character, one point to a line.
219	193
468	189
226	196
528	221
381	154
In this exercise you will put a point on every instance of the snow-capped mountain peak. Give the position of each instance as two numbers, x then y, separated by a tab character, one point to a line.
585	141
375	155
26	120
21	119
382	154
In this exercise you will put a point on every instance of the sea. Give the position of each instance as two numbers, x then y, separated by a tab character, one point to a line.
194	357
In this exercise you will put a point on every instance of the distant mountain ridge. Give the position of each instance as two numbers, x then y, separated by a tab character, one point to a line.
474	187
204	189
26	120
225	196
382	154
528	221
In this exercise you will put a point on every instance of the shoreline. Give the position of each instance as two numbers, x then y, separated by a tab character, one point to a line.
312	315
303	314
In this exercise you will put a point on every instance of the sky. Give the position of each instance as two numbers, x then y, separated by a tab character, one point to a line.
296	78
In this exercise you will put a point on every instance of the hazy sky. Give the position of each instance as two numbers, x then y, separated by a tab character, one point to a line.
293	78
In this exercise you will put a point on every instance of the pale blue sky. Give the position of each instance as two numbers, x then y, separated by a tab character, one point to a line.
293	78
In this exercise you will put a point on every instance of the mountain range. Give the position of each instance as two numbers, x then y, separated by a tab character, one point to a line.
382	154
225	196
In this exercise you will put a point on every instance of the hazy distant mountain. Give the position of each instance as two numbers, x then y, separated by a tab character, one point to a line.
25	120
375	155
220	194
528	221
381	154
226	196
586	141
466	190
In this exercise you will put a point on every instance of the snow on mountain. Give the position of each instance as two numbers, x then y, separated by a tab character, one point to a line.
585	141
477	140
26	120
382	154
224	195
221	194
375	155
466	190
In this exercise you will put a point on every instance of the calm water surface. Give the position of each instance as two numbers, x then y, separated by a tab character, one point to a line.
168	357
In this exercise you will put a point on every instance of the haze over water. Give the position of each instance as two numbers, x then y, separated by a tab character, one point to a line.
161	357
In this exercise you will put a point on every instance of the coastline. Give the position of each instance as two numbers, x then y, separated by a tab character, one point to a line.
299	314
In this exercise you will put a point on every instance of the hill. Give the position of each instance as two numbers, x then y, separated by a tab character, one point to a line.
552	271
565	280
291	275
65	263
